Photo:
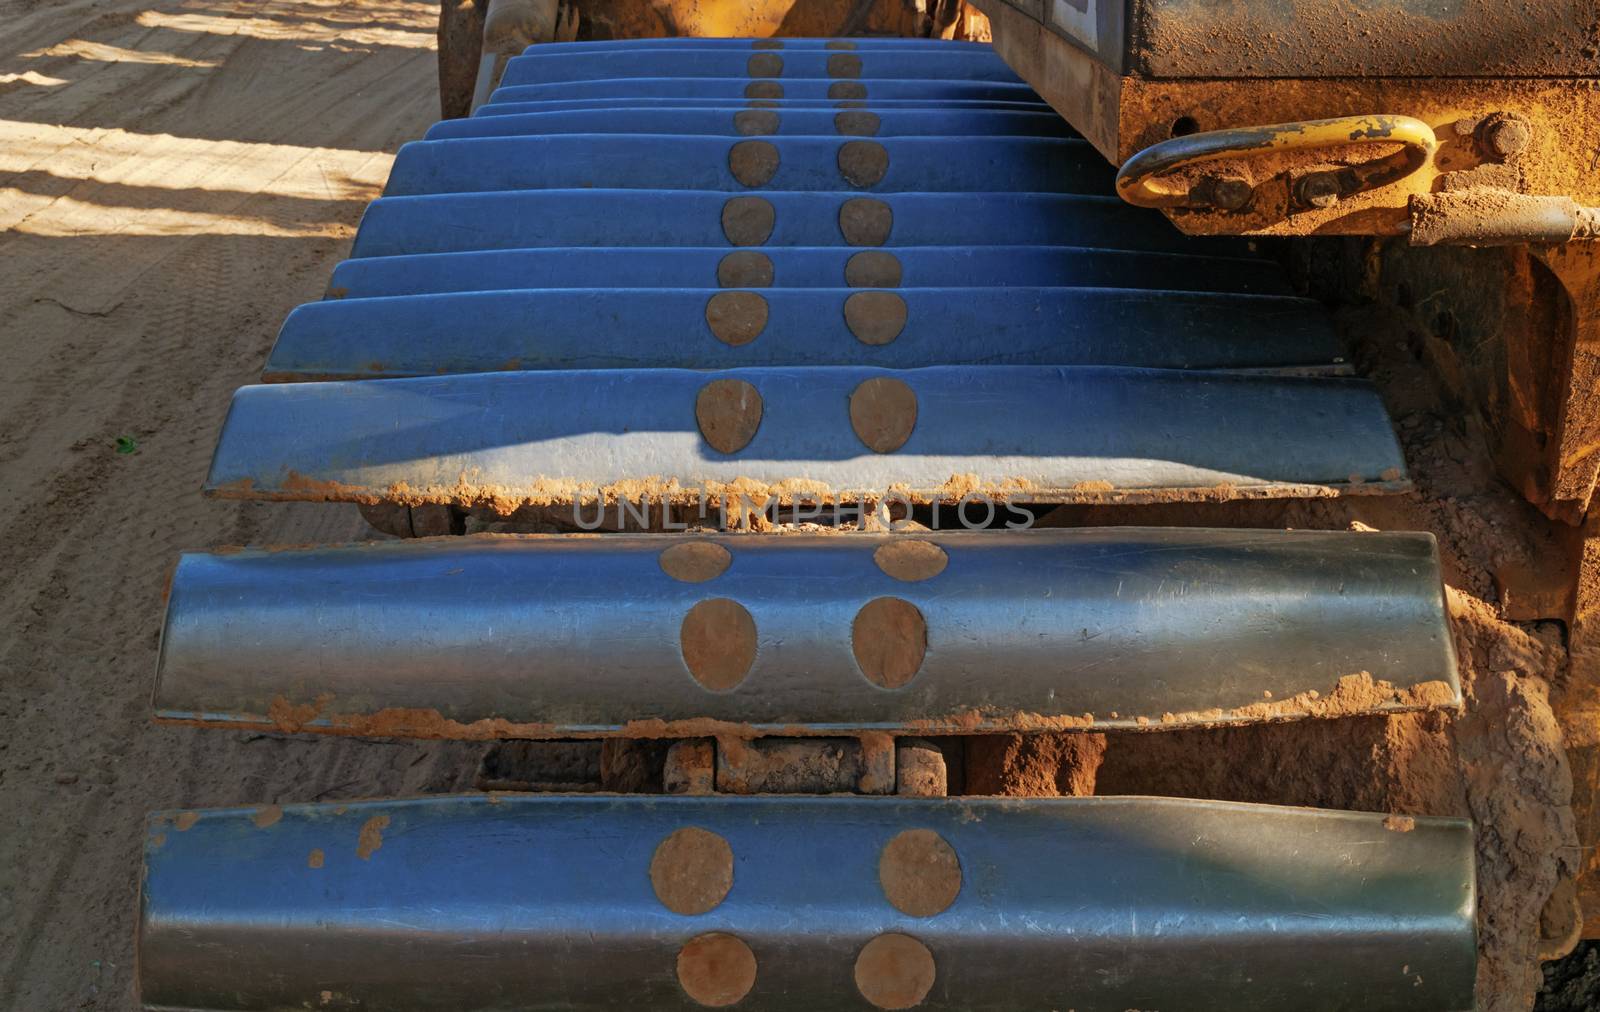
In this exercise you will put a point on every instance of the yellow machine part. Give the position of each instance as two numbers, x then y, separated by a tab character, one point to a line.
1530	136
634	19
474	31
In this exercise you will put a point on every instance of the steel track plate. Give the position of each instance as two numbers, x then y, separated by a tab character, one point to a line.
741	121
774	164
632	328
453	222
1083	629
1093	904
1033	433
801	267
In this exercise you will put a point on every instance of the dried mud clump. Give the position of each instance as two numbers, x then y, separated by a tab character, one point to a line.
1033	765
1520	790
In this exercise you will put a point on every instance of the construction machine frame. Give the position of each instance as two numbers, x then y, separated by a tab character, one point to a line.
1296	120
839	280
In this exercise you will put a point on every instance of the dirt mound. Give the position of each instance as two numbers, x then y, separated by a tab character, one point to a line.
1501	762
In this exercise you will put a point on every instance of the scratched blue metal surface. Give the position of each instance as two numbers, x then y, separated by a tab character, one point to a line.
735	104
546	902
1022	627
620	161
1062	433
737	122
924	89
512	219
801	267
636	328
559	66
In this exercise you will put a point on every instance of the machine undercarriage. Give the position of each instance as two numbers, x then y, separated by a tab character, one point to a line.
791	438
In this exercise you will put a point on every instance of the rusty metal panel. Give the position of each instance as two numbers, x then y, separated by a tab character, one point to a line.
1319	38
810	89
1390	38
755	165
524	902
1079	84
1098	27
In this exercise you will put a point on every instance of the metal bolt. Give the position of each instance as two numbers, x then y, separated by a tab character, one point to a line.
1230	192
1319	189
1507	137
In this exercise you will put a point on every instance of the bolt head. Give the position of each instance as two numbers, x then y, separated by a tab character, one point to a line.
1231	194
1320	189
1508	137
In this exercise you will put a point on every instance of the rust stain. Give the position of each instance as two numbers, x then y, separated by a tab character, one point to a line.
716	969
894	971
719	642
877	759
267	816
371	837
184	821
910	560
1123	115
692	870
695	561
315	858
889	638
919	872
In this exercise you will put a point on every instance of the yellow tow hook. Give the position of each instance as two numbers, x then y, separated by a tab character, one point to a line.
1224	190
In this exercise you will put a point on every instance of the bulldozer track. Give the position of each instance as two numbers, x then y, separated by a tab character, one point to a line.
705	329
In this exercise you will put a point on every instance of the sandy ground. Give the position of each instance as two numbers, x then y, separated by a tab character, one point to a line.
174	177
